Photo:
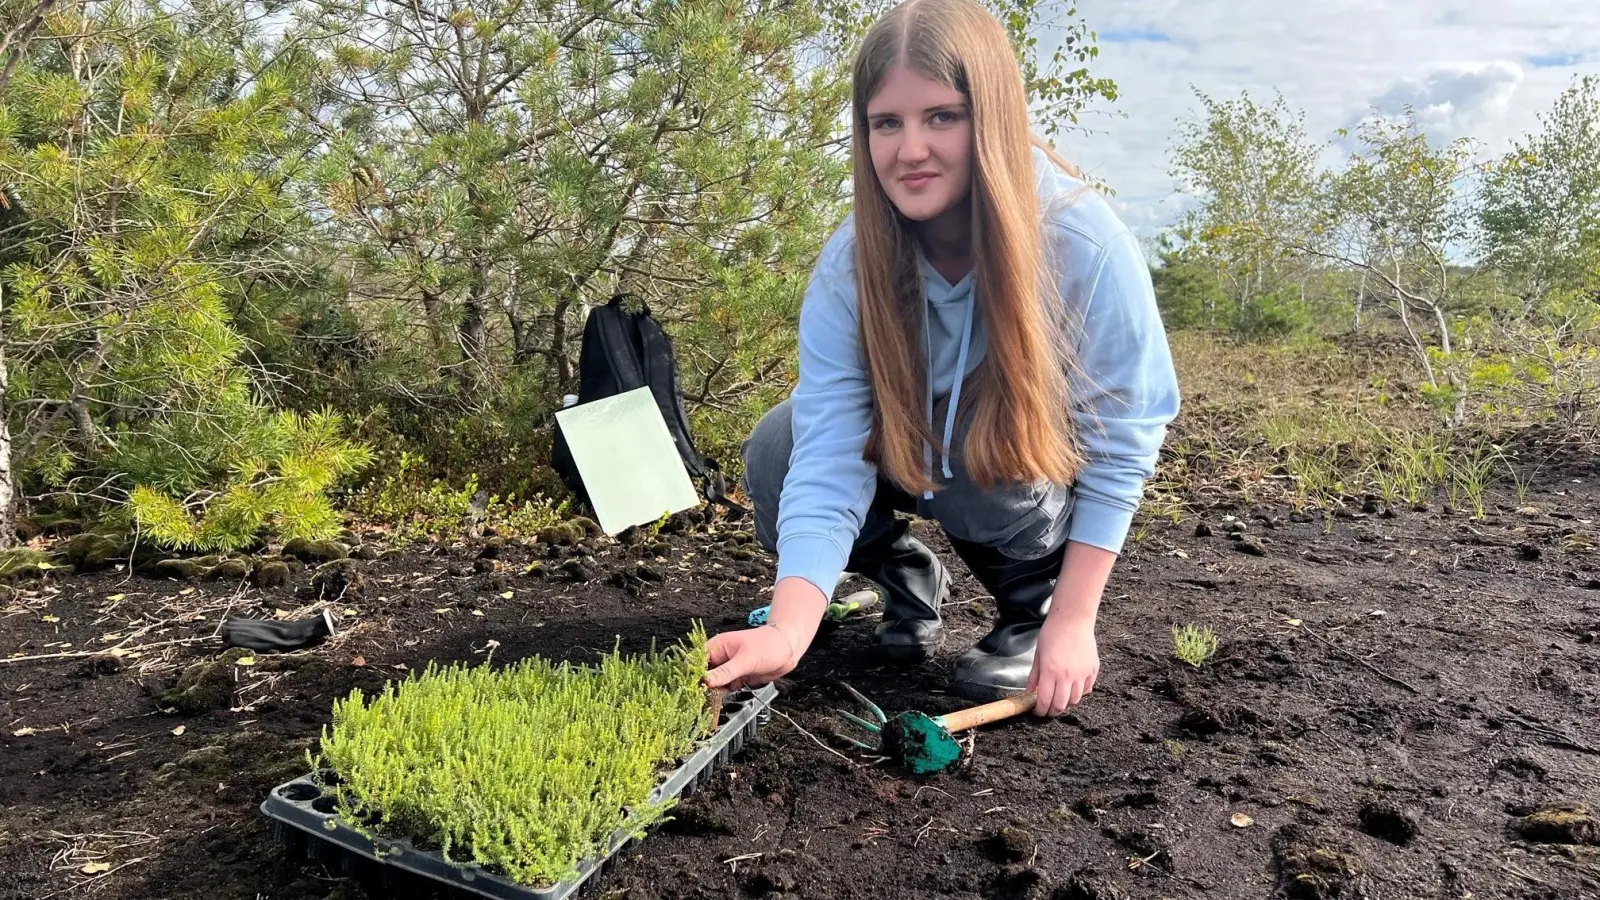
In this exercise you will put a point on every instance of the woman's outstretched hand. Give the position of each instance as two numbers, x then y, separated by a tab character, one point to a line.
756	656
1067	661
1065	665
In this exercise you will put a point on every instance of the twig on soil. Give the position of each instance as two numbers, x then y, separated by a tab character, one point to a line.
928	826
815	740
118	650
79	851
1524	875
1576	866
732	862
874	831
96	878
1135	862
1358	660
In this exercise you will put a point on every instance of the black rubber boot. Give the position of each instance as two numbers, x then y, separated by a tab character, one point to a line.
1000	664
915	584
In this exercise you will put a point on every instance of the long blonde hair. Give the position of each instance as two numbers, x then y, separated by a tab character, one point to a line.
1021	427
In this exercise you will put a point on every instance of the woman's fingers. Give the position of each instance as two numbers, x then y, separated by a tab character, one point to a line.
727	664
1045	689
722	647
728	674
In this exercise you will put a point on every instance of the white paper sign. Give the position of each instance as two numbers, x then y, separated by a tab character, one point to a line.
627	459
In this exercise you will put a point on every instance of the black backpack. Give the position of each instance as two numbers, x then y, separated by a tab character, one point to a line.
624	350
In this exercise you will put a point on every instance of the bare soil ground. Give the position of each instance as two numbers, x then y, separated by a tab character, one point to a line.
1404	706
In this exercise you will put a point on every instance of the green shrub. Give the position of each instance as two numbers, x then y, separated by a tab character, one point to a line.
1188	294
415	506
1272	317
527	769
280	472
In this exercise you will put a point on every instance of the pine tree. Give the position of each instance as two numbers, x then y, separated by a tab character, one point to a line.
150	148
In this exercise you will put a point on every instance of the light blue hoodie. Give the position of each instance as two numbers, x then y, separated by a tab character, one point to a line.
1123	401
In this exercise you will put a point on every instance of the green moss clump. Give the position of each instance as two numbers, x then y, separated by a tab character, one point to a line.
23	563
270	573
309	551
563	534
188	569
229	569
340	578
1563	823
90	552
206	685
526	769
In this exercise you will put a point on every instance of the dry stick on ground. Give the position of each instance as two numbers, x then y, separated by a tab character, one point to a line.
121	648
819	743
118	650
1356	659
1524	875
79	850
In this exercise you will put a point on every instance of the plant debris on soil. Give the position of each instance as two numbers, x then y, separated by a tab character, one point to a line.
1399	707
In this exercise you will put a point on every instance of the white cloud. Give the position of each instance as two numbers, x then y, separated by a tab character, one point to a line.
1454	101
1469	67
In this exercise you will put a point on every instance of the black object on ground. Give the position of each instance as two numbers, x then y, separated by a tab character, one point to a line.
266	635
308	828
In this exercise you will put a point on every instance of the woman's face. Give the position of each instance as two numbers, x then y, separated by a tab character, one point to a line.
920	135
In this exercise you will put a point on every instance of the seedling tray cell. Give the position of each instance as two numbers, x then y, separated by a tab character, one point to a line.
308	828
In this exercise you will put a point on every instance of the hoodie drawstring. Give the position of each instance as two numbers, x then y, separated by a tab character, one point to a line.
927	355
955	393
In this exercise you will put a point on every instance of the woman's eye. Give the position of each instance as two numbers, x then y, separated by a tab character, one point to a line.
945	118
886	124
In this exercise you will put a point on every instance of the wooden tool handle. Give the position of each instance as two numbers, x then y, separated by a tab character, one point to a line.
989	712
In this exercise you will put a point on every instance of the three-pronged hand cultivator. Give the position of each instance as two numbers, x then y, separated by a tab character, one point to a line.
920	742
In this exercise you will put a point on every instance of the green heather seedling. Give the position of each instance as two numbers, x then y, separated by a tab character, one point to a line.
1193	644
527	768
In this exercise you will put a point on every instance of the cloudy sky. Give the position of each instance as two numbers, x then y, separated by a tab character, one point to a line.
1479	68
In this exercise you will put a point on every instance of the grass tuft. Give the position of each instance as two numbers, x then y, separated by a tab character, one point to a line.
1194	644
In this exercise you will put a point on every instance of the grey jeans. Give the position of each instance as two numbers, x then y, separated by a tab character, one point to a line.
1022	521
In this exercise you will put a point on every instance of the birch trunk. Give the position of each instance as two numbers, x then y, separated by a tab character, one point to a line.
8	488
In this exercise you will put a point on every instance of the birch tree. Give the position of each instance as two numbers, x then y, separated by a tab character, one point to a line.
1539	218
1393	216
1253	173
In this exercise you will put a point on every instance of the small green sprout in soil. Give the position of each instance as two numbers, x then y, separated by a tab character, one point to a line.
1193	644
525	769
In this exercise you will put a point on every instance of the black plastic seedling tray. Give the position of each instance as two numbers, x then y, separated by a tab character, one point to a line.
308	827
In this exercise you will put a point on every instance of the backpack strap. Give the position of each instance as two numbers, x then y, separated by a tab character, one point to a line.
617	340
660	366
716	488
661	373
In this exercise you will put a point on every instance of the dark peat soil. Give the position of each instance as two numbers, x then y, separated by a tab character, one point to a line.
1404	705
